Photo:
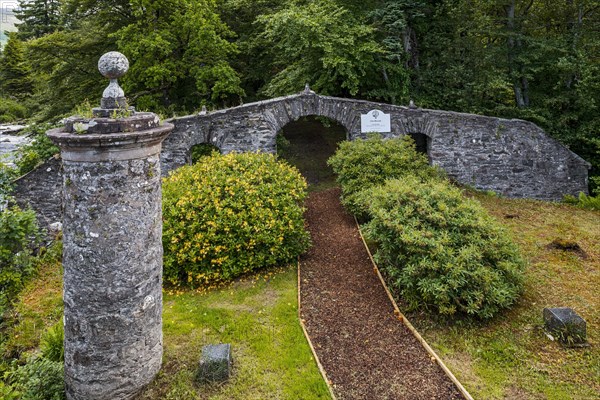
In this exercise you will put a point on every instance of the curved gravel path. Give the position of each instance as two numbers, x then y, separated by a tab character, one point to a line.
366	352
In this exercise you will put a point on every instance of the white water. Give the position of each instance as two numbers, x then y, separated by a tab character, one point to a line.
10	142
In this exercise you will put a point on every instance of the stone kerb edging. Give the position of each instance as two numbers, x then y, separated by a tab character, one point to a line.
410	327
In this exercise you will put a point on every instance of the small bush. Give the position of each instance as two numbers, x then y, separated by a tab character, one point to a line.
19	234
360	164
7	176
231	214
441	250
39	150
39	379
11	111
584	201
52	343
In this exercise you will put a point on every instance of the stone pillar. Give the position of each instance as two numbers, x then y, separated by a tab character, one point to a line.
112	245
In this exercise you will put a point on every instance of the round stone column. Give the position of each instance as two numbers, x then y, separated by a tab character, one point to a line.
112	249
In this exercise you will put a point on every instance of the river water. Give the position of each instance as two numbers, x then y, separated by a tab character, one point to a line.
9	142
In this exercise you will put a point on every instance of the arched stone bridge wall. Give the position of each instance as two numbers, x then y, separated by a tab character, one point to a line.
512	157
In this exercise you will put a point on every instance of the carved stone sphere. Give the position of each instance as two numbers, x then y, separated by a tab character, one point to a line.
113	65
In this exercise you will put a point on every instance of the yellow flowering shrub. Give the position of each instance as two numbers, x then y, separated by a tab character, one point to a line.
231	214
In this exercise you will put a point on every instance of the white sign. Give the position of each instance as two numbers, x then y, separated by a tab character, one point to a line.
375	121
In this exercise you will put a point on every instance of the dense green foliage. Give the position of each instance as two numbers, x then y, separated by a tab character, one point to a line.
18	235
39	379
37	151
11	110
361	164
535	60
38	17
231	214
15	71
440	250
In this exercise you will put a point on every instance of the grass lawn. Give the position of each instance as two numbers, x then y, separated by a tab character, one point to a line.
257	315
510	357
38	307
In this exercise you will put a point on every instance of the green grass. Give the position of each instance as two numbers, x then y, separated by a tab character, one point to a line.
38	307
510	357
258	316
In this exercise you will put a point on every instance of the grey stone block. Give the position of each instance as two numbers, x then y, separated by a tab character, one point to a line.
215	363
566	324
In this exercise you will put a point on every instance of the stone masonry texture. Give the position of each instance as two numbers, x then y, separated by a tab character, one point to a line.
112	277
511	157
112	257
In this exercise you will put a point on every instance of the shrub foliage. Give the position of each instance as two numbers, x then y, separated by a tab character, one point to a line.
11	111
363	163
19	234
441	250
39	379
231	214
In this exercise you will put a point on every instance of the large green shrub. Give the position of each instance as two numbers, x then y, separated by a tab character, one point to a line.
11	111
231	214
18	236
360	164
441	250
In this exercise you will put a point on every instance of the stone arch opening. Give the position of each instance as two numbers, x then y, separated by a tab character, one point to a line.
423	143
200	150
307	144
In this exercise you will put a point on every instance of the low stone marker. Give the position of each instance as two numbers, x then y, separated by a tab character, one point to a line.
215	364
566	324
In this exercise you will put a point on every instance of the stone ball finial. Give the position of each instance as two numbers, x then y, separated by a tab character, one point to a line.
113	65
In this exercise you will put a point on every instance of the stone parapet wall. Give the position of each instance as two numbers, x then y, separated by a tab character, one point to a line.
514	158
41	189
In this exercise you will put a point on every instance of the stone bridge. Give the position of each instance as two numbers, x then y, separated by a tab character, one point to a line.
512	157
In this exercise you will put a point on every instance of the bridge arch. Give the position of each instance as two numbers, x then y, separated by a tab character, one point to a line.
512	157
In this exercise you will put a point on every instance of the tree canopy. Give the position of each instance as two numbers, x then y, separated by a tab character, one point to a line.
531	59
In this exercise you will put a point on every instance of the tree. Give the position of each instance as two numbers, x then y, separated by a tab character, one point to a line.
15	71
320	43
395	22
39	17
179	55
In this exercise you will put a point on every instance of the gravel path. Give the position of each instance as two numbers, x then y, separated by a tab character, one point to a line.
366	351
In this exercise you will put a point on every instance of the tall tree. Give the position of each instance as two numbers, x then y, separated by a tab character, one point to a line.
396	22
38	18
320	43
179	55
15	70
